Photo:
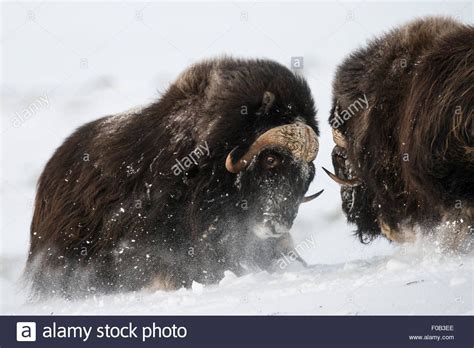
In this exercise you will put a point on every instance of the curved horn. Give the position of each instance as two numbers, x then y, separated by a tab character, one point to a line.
299	138
340	181
338	138
310	198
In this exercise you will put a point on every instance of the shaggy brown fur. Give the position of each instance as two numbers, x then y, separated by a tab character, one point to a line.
111	213
412	148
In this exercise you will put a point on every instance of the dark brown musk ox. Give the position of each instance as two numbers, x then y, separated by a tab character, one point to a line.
402	120
209	178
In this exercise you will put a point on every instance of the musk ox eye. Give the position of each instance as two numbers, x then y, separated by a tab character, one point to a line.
271	161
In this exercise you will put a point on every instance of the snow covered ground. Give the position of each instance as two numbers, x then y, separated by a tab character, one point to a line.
66	64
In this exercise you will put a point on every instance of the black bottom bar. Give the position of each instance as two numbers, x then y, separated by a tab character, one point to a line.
236	331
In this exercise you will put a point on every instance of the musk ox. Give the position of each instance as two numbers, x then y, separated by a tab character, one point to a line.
402	120
209	178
